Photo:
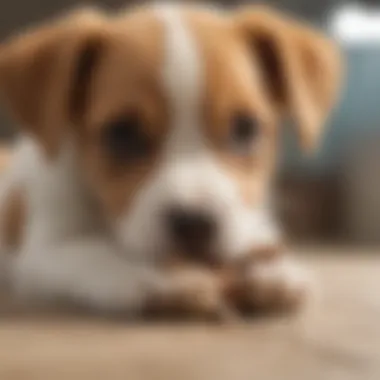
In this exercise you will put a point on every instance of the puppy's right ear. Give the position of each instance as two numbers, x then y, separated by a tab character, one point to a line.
44	73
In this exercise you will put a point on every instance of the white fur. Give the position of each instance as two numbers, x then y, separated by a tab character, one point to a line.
67	250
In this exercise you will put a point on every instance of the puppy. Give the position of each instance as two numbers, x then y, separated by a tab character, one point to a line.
155	131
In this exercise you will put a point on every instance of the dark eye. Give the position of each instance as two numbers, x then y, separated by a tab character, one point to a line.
244	132
124	138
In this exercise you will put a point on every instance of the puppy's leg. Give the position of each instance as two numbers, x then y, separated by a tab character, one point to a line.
87	271
275	283
92	273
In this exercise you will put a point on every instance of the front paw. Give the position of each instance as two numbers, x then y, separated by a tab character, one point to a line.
192	292
278	284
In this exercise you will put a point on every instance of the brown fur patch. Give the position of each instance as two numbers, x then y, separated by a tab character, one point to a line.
233	85
302	67
126	81
12	208
12	218
37	70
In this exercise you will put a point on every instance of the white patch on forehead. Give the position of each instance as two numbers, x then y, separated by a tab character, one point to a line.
182	82
181	72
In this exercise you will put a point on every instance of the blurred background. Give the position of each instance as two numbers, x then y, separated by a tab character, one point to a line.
333	197
329	204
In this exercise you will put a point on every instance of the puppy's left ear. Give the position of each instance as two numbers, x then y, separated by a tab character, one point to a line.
301	69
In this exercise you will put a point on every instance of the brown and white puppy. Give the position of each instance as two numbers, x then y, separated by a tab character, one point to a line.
155	131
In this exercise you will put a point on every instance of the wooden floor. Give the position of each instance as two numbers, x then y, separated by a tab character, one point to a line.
337	338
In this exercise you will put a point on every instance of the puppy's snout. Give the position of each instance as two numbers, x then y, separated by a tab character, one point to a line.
192	231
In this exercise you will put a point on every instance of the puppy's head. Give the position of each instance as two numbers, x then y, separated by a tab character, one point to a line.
175	115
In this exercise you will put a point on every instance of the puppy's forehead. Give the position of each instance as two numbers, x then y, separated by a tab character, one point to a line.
181	66
209	69
152	53
186	62
208	64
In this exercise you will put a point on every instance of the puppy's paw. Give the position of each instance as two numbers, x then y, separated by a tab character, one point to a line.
273	285
193	292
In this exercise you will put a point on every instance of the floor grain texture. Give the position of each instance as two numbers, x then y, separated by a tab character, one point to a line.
337	338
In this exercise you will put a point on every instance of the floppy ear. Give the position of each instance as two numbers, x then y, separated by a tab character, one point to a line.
301	68
44	72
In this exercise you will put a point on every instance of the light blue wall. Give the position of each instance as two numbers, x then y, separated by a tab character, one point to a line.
357	115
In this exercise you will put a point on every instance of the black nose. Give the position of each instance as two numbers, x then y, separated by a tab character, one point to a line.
193	231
